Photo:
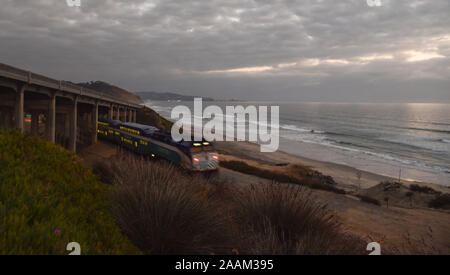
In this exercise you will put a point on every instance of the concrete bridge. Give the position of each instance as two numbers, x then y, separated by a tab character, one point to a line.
59	111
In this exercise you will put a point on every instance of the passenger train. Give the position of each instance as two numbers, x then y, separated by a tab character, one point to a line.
151	141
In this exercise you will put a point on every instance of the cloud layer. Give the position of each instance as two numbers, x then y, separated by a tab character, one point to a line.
258	49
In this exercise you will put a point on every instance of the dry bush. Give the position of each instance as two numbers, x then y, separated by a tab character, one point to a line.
417	245
281	219
164	211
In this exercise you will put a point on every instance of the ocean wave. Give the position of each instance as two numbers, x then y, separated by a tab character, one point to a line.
427	130
298	129
418	143
350	144
393	159
349	147
439	123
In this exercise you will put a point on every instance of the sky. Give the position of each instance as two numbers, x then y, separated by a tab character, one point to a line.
285	50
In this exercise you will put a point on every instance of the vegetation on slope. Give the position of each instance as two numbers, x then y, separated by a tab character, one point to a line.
112	90
286	219
147	116
165	211
162	210
294	174
401	195
48	199
441	201
368	199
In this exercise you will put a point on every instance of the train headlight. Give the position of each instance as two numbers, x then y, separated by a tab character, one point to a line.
215	157
196	159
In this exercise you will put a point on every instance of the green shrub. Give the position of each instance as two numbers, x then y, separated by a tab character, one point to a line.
281	219
368	199
441	201
390	185
423	189
49	198
309	180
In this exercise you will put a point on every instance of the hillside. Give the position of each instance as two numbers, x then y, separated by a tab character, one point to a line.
145	115
168	96
148	116
49	198
112	90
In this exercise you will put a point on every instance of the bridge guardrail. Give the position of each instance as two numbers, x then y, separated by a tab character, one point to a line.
33	78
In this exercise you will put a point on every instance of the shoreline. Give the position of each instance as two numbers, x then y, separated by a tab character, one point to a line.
369	162
344	175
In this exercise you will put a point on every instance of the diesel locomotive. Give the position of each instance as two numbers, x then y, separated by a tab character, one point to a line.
154	142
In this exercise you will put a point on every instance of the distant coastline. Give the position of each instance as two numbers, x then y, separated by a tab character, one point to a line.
167	96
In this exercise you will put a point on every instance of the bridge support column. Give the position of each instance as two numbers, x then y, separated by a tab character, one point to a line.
131	116
20	107
73	126
116	113
95	122
111	113
35	123
125	114
51	123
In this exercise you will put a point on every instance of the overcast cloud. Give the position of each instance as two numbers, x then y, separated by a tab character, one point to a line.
258	49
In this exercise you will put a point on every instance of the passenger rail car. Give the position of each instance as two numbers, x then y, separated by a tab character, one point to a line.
151	141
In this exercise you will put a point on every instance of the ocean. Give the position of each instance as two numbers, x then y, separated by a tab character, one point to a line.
407	140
